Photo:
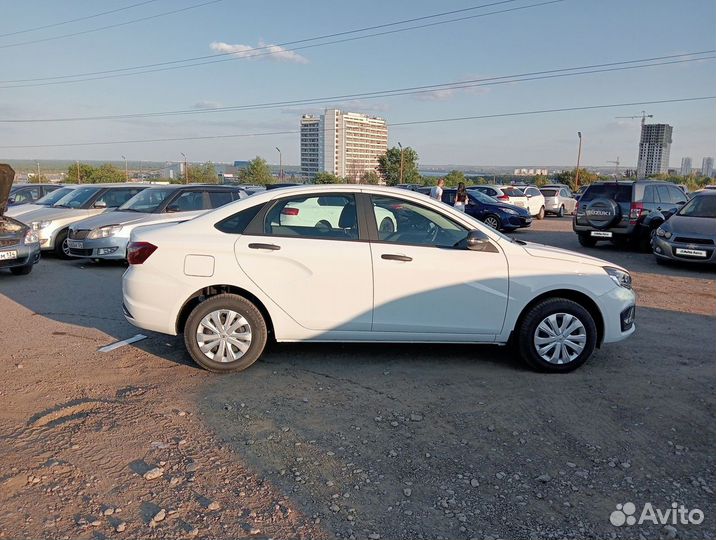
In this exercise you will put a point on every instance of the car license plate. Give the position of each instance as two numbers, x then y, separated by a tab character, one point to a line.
602	234
74	244
7	255
691	252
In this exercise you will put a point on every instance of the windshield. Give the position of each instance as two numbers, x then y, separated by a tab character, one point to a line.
703	206
53	197
147	201
77	197
481	197
621	193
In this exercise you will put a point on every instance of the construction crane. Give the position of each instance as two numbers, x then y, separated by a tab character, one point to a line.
616	168
643	117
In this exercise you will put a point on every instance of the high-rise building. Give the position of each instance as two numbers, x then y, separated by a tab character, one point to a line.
654	149
685	166
707	167
342	143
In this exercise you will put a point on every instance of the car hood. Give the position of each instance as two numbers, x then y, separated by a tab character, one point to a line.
693	225
53	213
21	209
133	218
550	252
7	175
11	228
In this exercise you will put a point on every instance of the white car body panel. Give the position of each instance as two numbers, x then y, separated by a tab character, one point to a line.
313	293
61	219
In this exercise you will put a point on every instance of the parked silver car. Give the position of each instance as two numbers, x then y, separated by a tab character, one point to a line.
558	200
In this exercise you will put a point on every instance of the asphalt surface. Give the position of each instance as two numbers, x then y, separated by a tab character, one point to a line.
387	440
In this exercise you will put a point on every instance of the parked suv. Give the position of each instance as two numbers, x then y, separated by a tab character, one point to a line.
625	211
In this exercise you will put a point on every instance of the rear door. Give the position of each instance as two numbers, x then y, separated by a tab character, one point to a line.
317	271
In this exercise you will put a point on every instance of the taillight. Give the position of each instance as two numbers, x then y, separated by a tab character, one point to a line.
635	211
138	252
290	211
503	197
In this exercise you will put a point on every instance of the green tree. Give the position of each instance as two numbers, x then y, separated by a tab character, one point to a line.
203	173
35	179
541	180
327	178
257	172
86	171
389	166
568	178
370	177
454	177
106	173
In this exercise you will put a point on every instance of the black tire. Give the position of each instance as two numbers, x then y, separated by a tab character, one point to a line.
560	213
21	270
660	261
620	241
491	220
531	320
540	214
644	243
61	250
245	308
586	240
386	226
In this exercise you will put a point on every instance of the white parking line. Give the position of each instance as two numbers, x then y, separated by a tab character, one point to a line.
118	344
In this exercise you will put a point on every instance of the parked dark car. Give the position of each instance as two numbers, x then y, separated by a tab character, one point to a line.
29	193
690	234
19	245
496	214
623	212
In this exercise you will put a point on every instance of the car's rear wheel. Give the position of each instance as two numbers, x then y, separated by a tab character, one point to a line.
492	221
540	214
586	240
560	213
21	270
225	333
556	335
62	250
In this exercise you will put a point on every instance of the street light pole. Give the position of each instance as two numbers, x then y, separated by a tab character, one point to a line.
401	163
79	181
280	164
579	155
126	169
186	169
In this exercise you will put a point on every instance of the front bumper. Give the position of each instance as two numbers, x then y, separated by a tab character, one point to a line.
25	254
618	309
516	221
691	253
112	247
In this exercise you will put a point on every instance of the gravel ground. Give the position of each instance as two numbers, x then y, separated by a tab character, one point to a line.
364	441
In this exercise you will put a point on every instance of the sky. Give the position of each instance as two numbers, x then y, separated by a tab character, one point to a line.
564	34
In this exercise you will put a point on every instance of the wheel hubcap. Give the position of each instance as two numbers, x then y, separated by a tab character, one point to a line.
560	338
65	248
224	336
491	222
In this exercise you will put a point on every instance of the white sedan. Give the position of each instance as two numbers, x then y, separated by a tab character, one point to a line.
230	279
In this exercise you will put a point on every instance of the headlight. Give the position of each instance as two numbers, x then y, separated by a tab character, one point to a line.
620	277
31	237
663	233
510	211
37	225
104	232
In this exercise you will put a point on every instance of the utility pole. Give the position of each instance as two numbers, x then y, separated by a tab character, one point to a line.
579	155
126	169
37	180
280	164
401	163
79	180
186	169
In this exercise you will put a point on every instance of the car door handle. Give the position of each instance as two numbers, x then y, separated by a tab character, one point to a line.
393	257
271	247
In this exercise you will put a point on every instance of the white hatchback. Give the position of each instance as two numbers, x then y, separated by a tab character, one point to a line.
233	277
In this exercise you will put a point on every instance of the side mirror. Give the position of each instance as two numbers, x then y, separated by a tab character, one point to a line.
478	241
172	208
11	200
100	204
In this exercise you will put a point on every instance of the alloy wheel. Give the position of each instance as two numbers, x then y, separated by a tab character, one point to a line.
560	338
492	222
224	335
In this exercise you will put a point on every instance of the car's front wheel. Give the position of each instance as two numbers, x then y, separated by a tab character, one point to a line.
62	250
492	221
225	333
556	335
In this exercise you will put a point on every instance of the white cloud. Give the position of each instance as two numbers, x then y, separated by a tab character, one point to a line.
445	94
205	104
263	51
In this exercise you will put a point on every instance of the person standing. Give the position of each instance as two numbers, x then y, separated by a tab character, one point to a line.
437	190
461	197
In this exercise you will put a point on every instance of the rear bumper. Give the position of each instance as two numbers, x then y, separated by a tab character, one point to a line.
152	300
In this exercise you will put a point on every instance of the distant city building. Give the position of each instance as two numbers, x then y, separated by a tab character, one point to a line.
685	166
172	171
241	165
531	172
342	143
654	149
707	167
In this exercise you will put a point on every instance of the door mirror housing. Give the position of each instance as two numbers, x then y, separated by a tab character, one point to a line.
477	240
100	204
172	208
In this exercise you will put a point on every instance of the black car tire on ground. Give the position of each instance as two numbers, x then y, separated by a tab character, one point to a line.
21	270
560	213
61	249
586	240
239	304
491	220
540	214
530	322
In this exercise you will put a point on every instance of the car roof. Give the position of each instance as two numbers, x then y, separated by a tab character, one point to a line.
28	184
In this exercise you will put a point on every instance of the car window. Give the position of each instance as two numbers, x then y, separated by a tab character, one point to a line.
404	222
650	195
701	206
449	197
488	191
663	194
188	201
549	192
114	198
532	191
478	196
677	196
512	192
620	193
78	198
220	198
54	196
564	193
148	200
26	195
306	217
237	223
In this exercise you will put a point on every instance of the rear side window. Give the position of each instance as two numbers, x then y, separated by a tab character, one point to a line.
664	194
220	198
532	191
650	195
620	193
237	223
512	192
117	197
187	202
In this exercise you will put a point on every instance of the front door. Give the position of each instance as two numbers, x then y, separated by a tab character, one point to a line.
310	260
424	283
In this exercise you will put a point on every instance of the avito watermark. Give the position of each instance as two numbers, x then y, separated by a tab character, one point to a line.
677	514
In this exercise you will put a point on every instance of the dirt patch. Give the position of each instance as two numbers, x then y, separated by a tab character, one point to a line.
675	293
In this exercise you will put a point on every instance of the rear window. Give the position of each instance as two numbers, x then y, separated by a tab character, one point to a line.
549	192
620	193
513	192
